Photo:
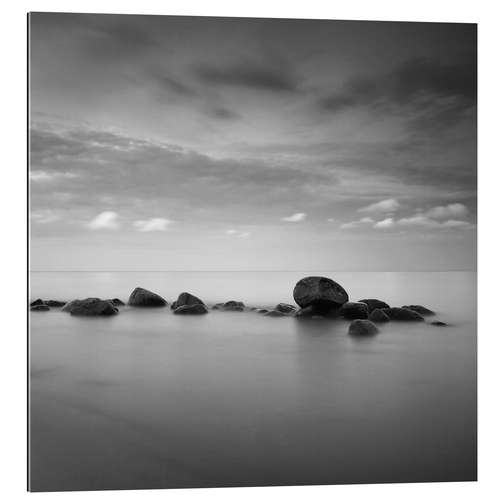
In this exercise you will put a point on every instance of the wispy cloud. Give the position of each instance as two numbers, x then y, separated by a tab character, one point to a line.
154	224
238	233
105	220
47	176
451	210
298	217
357	223
384	224
384	206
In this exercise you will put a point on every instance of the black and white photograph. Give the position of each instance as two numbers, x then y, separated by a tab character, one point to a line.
252	252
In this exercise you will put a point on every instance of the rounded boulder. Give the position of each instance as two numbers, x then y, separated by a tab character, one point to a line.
320	293
141	297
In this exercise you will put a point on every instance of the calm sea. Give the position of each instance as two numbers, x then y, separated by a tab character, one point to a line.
148	399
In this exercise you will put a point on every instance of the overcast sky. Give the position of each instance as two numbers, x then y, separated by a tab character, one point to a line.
224	144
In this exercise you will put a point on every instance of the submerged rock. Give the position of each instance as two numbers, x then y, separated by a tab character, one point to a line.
320	293
354	310
275	314
379	316
90	307
401	314
186	299
374	304
262	311
191	309
423	311
285	308
438	323
362	327
38	302
40	307
305	312
141	297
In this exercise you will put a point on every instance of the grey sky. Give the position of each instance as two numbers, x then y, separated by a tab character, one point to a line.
205	143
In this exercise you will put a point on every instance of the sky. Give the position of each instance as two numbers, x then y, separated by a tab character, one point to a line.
185	143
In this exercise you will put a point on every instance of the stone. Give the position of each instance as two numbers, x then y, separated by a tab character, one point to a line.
39	307
275	314
305	312
285	308
191	309
401	314
186	299
38	302
438	323
354	310
362	327
423	311
116	302
374	304
54	303
378	316
90	307
141	297
320	293
233	305
262	311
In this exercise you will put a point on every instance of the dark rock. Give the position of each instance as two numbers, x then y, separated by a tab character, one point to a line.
186	299
54	303
233	305
191	309
438	323
362	327
39	307
141	297
38	302
275	314
305	312
320	293
379	316
401	314
116	302
374	304
285	308
262	311
354	310
423	311
90	307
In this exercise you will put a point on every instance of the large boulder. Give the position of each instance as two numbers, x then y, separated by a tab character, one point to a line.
322	294
39	307
401	314
362	327
141	297
423	311
90	307
285	308
374	304
379	316
186	299
354	310
191	309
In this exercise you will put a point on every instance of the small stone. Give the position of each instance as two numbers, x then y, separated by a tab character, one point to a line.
233	305
423	311
191	309
39	307
117	302
354	310
37	302
262	311
402	314
275	314
378	316
374	304
438	323
285	308
362	327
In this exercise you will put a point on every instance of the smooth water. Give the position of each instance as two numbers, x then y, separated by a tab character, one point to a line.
148	399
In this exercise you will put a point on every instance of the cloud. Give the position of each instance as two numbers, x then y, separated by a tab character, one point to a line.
154	224
44	216
422	220
357	223
389	205
105	220
275	77
237	233
43	176
384	224
298	217
451	210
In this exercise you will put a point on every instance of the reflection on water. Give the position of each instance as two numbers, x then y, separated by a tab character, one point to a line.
148	399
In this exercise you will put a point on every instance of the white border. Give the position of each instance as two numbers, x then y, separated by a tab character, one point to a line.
13	199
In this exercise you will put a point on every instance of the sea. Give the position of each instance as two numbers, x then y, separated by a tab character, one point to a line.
148	399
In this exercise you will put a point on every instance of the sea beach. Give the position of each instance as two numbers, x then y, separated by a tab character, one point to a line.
150	399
